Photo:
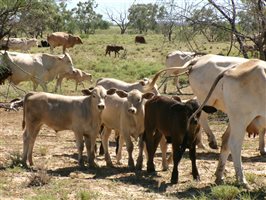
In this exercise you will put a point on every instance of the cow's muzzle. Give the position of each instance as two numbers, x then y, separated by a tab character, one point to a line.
132	110
101	106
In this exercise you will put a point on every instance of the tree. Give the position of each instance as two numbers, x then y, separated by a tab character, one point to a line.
121	20
10	13
143	17
86	17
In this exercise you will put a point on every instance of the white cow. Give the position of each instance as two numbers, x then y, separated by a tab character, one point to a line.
23	44
81	114
244	96
177	58
78	76
39	68
108	83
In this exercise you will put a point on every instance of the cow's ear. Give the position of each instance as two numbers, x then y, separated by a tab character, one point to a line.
111	91
121	93
148	95
142	82
87	92
209	109
177	98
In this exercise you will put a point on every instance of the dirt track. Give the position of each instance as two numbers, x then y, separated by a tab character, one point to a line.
57	154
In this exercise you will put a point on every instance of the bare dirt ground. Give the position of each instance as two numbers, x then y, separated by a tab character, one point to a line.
56	154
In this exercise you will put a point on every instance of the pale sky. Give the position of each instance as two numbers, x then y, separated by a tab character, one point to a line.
112	5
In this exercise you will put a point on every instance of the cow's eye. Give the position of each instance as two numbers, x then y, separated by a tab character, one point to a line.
94	96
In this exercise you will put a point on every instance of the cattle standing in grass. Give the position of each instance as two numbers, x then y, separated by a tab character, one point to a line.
81	114
39	68
114	48
243	94
19	43
78	76
169	117
140	39
62	39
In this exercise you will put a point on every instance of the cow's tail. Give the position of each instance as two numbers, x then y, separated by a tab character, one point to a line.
24	108
176	70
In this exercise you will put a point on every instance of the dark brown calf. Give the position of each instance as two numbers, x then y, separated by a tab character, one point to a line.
140	39
170	117
114	48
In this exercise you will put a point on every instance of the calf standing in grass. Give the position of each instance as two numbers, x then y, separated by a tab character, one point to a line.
81	114
113	48
170	117
78	76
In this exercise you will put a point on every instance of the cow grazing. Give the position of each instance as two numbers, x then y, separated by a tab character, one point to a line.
39	68
5	72
80	114
140	39
44	43
23	44
78	76
114	48
170	117
108	83
62	39
245	84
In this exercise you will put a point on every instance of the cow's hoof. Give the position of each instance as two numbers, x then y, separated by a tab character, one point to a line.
213	145
139	167
93	165
197	178
263	152
109	164
219	181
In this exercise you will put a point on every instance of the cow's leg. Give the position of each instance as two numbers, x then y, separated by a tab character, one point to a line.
105	139
76	88
51	49
129	150
163	145
211	138
176	81
151	148
262	142
140	156
90	141
178	152
32	134
119	152
192	156
80	147
235	142
223	156
64	50
165	87
58	84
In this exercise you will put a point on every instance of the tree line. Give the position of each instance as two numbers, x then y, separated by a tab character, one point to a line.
237	21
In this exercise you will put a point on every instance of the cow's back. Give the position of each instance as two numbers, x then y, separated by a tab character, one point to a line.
58	38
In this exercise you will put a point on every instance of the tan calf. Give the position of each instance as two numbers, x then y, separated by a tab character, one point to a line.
81	114
78	76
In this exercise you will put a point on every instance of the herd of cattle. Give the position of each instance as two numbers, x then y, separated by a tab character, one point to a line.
233	85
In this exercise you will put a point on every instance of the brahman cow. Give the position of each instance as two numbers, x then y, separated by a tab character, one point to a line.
78	76
39	68
202	73
81	114
62	39
243	94
108	83
23	44
170	117
177	58
114	48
